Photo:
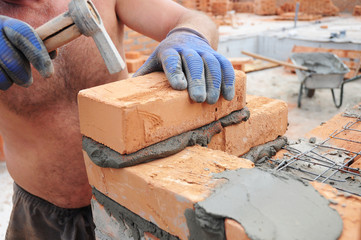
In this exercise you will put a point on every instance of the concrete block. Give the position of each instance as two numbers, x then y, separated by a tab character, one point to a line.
161	191
132	114
269	119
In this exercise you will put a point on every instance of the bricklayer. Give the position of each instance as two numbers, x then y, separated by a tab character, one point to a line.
132	114
269	119
161	191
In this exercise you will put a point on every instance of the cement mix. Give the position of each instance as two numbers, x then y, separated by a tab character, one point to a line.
262	152
106	157
273	206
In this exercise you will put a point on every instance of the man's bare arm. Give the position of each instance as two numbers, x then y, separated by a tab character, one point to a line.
155	18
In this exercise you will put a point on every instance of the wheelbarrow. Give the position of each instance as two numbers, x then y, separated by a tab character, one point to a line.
323	70
316	70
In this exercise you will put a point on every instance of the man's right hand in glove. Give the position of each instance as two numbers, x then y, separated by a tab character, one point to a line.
19	46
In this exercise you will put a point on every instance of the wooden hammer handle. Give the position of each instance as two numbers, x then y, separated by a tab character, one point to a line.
275	61
58	31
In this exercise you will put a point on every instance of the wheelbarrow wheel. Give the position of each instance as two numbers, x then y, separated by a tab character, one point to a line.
310	92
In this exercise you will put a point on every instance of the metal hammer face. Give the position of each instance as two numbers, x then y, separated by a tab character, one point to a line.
82	18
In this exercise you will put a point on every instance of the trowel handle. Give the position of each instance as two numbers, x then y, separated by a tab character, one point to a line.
58	31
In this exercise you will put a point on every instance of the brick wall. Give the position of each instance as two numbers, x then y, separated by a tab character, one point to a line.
158	199
134	41
343	5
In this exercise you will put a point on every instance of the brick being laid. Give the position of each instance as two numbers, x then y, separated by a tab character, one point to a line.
268	120
132	114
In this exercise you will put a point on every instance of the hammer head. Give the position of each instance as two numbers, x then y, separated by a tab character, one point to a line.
89	23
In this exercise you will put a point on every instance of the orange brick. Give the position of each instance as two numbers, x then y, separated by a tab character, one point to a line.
265	7
136	47
349	208
269	119
180	181
234	230
132	55
131	114
239	62
128	41
149	236
145	39
357	10
134	64
336	123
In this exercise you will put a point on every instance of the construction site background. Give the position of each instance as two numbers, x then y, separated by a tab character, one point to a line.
138	46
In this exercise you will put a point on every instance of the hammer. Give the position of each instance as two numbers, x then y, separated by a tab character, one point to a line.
81	18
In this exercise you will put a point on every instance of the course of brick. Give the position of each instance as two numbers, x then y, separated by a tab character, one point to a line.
220	7
322	7
132	114
243	7
134	41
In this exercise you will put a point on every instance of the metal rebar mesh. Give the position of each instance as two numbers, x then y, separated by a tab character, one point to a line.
326	163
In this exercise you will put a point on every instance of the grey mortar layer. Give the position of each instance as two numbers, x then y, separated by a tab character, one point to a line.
272	206
105	157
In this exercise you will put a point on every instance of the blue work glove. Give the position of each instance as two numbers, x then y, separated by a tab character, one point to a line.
189	61
19	46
